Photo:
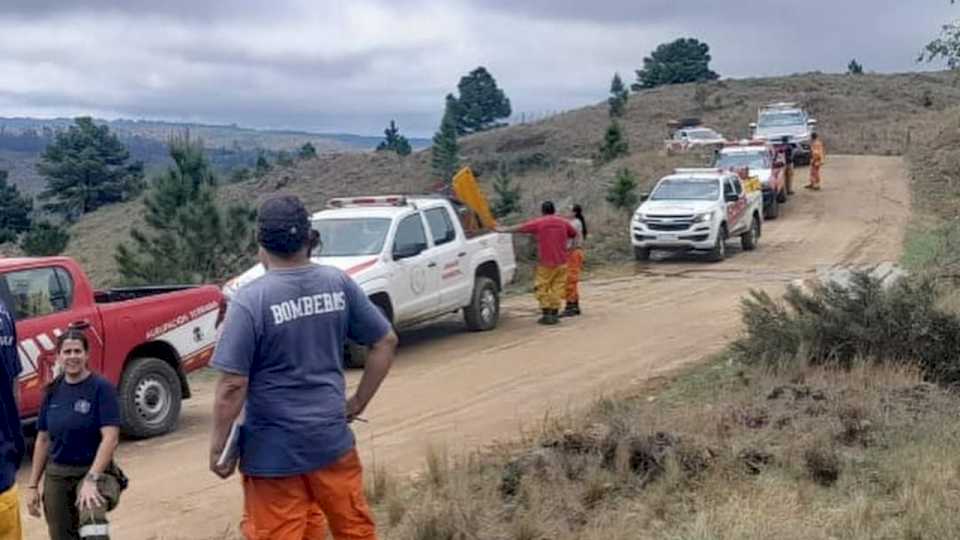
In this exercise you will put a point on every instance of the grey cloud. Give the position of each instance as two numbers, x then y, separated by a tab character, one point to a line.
192	60
180	9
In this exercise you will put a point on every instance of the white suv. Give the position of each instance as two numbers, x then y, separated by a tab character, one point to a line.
697	210
779	120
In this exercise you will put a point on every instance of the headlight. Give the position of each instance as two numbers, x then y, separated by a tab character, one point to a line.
700	218
639	217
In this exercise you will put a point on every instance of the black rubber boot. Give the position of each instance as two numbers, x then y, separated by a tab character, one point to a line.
545	317
553	317
572	309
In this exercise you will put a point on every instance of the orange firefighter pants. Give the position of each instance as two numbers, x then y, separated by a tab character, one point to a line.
574	268
303	507
815	176
550	284
10	515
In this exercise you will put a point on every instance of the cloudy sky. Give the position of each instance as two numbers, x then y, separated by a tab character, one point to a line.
350	66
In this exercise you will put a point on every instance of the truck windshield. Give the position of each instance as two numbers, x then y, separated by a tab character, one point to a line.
740	160
686	190
351	237
703	134
780	119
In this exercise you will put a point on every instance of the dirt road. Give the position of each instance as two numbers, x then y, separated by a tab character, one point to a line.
465	390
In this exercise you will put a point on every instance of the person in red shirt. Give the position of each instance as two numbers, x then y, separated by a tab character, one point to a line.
553	234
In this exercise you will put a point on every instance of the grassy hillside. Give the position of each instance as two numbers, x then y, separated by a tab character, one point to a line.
880	114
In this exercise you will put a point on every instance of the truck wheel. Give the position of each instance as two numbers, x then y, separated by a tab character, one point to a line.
354	354
483	313
150	396
719	252
772	211
641	254
749	239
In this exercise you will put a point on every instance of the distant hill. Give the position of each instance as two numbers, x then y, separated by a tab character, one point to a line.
229	147
552	158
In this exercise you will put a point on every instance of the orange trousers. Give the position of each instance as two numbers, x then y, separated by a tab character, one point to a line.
815	176
574	268
303	507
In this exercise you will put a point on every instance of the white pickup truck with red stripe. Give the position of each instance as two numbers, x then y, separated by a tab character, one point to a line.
414	257
698	210
143	340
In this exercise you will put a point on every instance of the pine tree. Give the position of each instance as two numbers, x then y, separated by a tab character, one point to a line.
284	159
854	68
508	196
87	167
394	141
618	97
262	167
308	151
481	103
185	224
681	61
622	193
45	240
15	209
445	154
614	144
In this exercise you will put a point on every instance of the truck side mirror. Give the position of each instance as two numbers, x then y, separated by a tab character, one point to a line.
753	125
407	251
644	196
731	197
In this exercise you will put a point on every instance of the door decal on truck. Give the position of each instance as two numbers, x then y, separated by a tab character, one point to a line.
193	341
30	350
418	280
451	270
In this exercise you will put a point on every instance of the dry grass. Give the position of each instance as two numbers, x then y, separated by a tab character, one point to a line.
721	454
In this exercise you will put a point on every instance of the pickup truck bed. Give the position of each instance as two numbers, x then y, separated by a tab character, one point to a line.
143	340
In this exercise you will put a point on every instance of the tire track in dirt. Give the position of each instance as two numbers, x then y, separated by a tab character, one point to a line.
463	391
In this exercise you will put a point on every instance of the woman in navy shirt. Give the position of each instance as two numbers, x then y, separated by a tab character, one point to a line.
78	432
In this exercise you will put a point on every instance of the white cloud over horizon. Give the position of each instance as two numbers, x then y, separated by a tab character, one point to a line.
351	66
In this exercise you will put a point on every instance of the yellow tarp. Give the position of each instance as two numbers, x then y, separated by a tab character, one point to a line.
752	184
466	188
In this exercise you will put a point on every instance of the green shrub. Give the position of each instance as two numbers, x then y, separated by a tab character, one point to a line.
839	324
45	240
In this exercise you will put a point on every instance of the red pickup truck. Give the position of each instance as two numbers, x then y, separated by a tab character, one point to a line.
143	340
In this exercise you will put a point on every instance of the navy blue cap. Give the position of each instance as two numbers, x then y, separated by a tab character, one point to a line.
283	225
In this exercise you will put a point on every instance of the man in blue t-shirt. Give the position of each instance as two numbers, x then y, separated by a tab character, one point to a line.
281	355
11	437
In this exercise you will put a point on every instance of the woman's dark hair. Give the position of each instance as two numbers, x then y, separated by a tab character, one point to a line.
578	213
547	208
72	334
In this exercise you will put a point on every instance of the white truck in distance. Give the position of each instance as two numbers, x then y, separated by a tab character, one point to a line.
778	120
697	210
413	258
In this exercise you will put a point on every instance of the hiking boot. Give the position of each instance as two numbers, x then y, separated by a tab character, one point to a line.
572	309
545	317
553	317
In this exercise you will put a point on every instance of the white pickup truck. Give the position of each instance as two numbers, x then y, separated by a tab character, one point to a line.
414	258
699	210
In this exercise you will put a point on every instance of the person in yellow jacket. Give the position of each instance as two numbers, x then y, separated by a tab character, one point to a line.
816	162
